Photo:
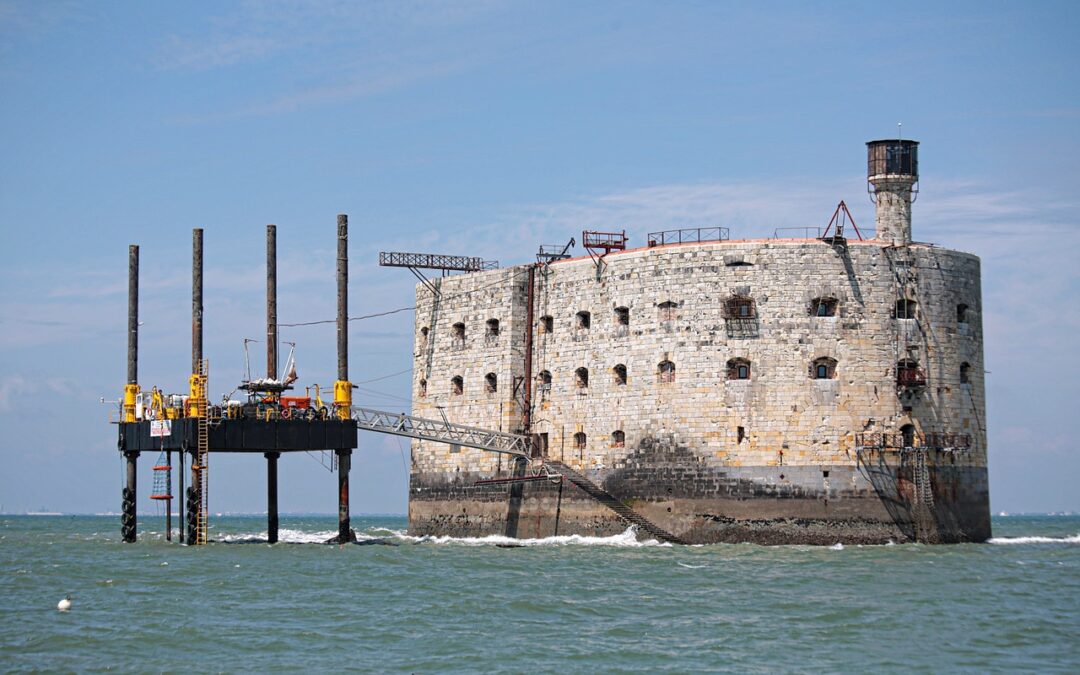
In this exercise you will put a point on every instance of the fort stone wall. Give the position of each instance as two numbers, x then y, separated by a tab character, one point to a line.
719	388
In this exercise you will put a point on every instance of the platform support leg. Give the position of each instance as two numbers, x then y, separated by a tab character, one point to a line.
180	509
271	496
345	533
127	518
194	503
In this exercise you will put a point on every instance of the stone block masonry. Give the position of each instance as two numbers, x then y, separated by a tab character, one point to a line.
719	387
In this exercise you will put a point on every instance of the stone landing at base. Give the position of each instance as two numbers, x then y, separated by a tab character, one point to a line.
873	503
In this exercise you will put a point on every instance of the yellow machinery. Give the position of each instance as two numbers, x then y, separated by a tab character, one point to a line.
131	394
343	399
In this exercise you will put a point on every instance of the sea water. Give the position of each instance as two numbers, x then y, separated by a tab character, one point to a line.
564	604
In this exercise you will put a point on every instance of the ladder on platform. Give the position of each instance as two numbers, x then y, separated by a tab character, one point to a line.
202	455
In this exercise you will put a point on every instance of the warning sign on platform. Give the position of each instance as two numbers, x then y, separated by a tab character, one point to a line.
161	428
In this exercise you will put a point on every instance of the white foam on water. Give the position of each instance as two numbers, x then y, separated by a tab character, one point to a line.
1075	539
837	547
689	567
627	539
287	536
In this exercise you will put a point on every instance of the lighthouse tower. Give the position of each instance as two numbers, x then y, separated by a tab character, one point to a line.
892	176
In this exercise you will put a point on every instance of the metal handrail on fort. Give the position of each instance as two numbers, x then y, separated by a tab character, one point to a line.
934	440
805	230
688	236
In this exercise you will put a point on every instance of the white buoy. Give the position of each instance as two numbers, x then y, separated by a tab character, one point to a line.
65	604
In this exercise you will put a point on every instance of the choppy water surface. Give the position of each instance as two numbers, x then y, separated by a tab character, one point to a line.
565	604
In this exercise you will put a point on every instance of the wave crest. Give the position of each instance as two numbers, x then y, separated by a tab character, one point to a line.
1075	539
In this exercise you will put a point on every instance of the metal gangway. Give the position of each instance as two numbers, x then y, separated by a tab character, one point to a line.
440	431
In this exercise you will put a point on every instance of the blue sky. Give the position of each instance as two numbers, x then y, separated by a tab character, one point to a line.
487	129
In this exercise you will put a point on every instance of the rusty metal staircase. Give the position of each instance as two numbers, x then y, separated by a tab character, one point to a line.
612	502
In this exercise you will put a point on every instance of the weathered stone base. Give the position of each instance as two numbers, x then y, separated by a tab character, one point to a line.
873	503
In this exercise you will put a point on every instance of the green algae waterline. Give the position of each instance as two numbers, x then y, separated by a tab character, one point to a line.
394	603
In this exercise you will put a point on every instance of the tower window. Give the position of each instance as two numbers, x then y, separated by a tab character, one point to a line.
961	313
667	311
544	381
739	307
905	309
457	336
492	334
491	383
738	369
457	385
620	374
579	440
667	372
547	324
423	388
965	373
583	321
909	374
622	321
907	434
424	335
823	368
581	378
823	307
618	439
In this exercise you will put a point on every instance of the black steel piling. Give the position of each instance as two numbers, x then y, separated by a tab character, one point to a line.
344	455
127	502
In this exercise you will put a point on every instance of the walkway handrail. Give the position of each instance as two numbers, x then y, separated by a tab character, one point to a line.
440	431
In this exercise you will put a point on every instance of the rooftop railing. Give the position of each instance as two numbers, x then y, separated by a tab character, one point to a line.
688	236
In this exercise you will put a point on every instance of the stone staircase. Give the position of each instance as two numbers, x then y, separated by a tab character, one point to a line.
609	500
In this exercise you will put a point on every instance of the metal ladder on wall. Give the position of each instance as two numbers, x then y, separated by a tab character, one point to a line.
202	456
924	498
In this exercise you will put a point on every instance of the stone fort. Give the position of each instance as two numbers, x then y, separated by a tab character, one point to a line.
802	390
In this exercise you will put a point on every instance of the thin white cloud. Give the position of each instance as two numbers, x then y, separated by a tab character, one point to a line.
16	389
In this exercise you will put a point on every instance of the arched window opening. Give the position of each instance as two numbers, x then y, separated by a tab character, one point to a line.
457	385
666	311
581	379
738	369
492	333
739	307
965	373
907	433
618	439
424	335
423	388
547	325
491	383
622	321
544	381
905	309
909	374
457	336
620	375
583	321
961	313
823	307
823	368
579	440
667	372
